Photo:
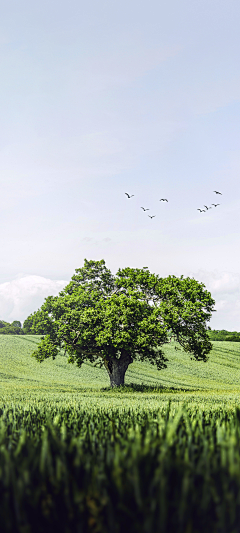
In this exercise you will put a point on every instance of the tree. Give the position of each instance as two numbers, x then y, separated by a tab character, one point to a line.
11	329
28	324
112	320
16	324
32	324
4	324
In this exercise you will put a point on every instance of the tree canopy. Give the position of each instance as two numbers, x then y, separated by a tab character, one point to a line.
112	320
15	328
29	323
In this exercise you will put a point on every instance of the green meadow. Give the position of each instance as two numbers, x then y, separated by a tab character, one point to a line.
160	454
184	380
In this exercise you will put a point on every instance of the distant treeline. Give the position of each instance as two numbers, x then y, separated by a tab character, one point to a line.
224	335
15	328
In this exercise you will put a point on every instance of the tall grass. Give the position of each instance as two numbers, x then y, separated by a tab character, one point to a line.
79	457
107	471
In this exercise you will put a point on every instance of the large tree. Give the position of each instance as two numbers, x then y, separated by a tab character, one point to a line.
113	320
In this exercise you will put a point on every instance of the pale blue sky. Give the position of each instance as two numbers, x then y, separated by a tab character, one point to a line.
99	98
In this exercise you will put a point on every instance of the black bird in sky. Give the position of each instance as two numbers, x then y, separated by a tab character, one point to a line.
201	210
128	195
217	192
215	205
152	216
144	209
163	200
206	207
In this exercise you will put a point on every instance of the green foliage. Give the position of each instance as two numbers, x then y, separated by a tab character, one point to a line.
46	349
16	324
29	325
11	329
223	335
3	324
108	319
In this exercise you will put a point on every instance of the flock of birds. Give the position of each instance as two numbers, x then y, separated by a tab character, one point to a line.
165	200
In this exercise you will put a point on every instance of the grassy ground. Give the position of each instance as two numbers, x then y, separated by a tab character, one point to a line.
184	380
76	455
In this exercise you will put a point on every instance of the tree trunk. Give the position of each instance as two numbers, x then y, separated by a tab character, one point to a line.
117	368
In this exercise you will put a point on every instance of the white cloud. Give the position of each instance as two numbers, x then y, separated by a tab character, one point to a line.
22	296
225	289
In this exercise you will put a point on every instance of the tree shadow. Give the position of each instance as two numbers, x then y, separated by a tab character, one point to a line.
137	387
24	338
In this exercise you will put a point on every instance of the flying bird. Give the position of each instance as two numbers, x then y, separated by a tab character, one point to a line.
215	205
201	210
128	195
206	207
152	216
163	200
144	209
217	192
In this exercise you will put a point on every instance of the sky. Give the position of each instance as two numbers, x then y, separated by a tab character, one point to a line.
102	98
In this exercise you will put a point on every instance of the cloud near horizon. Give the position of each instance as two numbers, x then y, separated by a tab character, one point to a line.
21	297
24	295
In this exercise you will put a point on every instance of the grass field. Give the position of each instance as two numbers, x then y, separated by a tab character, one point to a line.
216	381
159	455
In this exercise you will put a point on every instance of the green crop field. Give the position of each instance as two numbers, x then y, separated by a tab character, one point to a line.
21	376
159	455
